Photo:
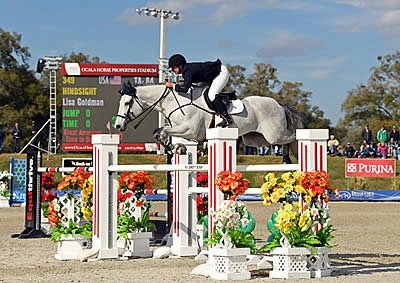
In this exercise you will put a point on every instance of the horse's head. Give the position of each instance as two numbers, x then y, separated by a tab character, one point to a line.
127	106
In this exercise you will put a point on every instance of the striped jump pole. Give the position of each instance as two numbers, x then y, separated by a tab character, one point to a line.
184	215
105	153
221	157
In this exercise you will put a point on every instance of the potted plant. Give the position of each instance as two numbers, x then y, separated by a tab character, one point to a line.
133	224
71	215
301	232
230	242
4	189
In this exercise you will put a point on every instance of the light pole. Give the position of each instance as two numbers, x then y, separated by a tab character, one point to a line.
163	15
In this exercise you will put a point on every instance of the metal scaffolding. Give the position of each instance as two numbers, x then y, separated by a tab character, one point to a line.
52	64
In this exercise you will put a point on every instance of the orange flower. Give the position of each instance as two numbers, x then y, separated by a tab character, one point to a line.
231	184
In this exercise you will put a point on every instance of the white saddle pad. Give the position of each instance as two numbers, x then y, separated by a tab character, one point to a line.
235	107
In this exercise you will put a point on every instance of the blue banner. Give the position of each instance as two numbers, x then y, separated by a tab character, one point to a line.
369	195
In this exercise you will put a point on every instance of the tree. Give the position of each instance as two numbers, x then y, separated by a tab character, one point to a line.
237	78
19	88
265	82
377	102
262	81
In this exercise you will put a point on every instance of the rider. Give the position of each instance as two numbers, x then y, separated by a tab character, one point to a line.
213	73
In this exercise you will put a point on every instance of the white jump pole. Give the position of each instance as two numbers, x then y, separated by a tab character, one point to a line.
221	157
105	153
312	144
184	204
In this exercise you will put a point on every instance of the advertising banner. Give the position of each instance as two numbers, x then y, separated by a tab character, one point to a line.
370	167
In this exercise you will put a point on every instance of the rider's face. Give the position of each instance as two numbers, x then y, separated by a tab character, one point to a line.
176	70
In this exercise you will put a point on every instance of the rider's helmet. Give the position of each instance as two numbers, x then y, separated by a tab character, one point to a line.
177	60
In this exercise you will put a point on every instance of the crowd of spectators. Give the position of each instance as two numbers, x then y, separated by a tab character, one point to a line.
388	145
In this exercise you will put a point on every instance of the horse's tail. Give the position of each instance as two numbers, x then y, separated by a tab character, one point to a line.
294	120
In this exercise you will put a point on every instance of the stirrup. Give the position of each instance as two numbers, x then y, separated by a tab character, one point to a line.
223	124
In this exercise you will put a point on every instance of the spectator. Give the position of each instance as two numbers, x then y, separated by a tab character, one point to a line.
382	135
349	151
392	146
394	134
372	150
35	130
263	150
382	150
17	135
332	145
366	134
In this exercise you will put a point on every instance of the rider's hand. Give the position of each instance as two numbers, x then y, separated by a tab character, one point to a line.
169	84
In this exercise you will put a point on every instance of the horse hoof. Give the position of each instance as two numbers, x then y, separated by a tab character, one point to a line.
180	149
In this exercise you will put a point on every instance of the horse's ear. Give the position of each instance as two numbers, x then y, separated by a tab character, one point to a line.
122	91
130	88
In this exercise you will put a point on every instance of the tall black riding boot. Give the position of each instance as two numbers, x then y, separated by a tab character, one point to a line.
220	107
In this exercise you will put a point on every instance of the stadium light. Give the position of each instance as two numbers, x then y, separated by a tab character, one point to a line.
162	14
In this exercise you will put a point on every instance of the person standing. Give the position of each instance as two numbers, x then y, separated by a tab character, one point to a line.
382	135
394	134
17	135
366	134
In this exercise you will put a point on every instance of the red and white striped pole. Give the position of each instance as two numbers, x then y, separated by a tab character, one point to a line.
312	155
105	153
312	146
221	157
184	216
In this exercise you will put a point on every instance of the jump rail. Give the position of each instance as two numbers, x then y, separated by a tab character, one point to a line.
221	157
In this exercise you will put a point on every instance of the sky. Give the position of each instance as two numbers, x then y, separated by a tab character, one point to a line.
328	45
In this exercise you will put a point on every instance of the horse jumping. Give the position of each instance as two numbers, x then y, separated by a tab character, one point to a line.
262	122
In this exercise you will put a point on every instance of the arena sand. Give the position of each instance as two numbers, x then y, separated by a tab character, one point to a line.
367	238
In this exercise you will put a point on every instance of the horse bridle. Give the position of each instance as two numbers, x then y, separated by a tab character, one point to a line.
129	116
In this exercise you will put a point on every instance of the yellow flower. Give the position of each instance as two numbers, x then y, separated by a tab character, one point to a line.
87	213
304	220
275	197
307	198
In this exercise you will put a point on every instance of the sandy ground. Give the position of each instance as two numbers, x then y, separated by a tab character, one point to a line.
367	235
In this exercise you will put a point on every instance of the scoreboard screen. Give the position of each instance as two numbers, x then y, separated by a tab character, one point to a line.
90	101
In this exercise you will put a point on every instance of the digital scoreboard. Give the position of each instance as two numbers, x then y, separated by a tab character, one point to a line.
90	101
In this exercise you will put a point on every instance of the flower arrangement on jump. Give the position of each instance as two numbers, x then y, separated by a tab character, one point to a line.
303	219
202	199
61	207
231	184
48	184
133	208
4	180
232	218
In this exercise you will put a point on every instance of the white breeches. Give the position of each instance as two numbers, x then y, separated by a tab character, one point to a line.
218	83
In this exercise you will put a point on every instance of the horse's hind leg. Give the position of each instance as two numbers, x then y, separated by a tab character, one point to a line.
285	154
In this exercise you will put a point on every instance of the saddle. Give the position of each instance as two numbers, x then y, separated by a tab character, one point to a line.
226	97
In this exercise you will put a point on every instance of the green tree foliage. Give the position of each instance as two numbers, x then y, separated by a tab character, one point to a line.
20	93
265	82
377	102
237	78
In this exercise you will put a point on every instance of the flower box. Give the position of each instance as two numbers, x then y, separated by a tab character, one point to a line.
4	201
137	245
229	264
71	246
300	263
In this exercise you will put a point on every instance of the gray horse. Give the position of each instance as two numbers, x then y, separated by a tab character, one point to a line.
262	122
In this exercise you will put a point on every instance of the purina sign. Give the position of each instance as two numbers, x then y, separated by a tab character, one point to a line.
377	168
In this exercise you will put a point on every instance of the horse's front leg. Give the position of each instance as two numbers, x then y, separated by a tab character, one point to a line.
162	136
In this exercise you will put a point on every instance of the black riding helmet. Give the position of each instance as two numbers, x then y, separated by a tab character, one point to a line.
176	60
